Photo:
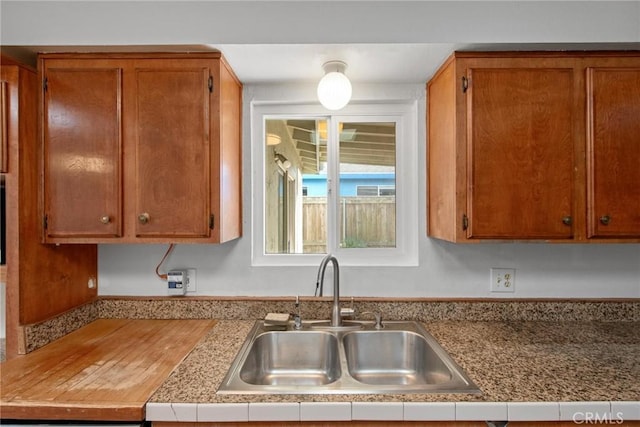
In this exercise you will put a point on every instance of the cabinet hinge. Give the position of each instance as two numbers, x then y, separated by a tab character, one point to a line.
465	222
211	221
45	222
211	84
465	84
45	84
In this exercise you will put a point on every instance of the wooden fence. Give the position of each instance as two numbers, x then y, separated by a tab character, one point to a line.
365	222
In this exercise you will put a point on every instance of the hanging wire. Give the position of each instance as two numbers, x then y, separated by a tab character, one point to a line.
164	276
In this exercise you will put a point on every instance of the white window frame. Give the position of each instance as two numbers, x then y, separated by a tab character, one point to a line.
405	114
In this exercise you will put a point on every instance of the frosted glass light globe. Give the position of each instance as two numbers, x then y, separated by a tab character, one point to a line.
334	90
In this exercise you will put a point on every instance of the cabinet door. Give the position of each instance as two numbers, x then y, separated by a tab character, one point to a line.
613	152
82	148
172	151
520	153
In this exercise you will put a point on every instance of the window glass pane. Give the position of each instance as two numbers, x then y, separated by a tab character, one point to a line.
295	195
367	190
367	212
387	191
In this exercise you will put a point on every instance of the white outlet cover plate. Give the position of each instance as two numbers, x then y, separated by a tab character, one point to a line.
192	285
503	280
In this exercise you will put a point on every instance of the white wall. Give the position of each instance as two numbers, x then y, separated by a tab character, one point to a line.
89	22
445	270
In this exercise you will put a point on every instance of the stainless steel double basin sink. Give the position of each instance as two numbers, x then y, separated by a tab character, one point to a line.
355	358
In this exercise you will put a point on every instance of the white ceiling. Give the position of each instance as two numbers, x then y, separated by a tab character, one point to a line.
277	63
367	63
276	41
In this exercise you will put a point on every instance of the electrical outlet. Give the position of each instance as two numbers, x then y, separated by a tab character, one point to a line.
192	282
503	280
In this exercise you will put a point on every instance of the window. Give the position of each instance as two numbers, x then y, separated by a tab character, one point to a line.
367	190
386	191
375	190
342	183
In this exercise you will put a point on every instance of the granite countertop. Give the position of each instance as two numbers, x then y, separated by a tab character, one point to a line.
510	361
532	360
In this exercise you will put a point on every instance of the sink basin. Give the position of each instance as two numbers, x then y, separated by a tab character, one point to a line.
393	357
304	358
353	359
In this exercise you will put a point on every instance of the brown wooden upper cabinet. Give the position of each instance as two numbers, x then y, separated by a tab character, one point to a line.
535	146
140	148
613	151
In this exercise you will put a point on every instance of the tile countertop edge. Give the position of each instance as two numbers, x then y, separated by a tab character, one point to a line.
605	411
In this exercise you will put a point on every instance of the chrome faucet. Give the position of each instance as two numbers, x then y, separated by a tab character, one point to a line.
336	318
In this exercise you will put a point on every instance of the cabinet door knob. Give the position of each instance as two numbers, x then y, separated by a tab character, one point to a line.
605	219
143	218
106	219
567	220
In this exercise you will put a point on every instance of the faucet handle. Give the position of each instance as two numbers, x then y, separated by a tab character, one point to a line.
348	311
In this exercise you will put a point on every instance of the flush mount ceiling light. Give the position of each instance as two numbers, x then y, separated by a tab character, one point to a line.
334	89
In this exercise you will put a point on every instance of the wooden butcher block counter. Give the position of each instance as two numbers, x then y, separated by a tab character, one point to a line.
104	371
